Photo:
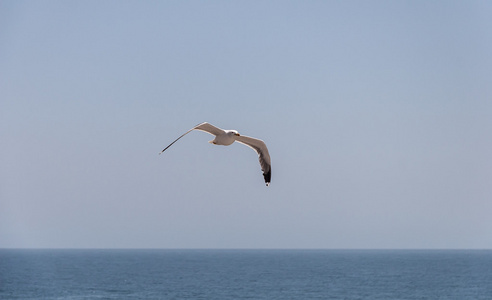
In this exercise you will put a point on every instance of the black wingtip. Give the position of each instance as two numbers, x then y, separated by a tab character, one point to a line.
268	177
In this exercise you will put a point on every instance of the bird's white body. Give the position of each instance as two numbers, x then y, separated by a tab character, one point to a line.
227	137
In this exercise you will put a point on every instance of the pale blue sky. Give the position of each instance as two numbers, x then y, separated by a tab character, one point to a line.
377	114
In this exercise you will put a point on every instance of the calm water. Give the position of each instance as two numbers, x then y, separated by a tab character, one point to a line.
245	274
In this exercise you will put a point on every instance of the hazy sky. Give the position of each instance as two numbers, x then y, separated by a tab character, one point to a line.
377	114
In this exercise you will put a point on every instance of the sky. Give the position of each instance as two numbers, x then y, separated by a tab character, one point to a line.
377	116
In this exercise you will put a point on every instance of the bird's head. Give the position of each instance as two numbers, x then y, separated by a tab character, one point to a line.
234	132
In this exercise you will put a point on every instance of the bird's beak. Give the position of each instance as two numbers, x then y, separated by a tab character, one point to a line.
237	134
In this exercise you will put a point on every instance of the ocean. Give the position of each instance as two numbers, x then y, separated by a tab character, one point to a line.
245	274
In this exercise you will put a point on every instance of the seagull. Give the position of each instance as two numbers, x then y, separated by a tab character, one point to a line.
227	137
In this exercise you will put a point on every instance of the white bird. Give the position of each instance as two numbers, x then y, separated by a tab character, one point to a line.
227	137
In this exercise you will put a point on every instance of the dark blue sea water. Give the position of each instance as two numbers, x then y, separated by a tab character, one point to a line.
245	274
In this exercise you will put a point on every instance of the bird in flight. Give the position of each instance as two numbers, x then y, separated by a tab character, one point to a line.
227	137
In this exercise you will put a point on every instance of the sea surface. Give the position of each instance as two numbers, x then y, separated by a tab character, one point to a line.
245	274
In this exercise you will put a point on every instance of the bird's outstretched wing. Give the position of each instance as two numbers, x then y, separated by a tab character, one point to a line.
209	128
264	157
